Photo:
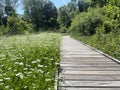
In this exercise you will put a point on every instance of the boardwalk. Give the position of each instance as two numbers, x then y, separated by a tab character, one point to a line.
82	68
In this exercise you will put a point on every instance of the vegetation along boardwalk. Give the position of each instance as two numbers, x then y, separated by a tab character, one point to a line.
83	68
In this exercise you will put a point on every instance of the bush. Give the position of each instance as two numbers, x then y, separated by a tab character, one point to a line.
99	28
85	23
3	30
19	26
63	30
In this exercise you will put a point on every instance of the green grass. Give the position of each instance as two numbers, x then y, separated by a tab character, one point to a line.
109	43
29	62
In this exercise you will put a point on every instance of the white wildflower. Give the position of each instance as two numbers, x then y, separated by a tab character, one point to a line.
25	68
28	65
29	73
25	86
57	63
6	87
1	80
40	66
45	66
21	63
1	75
1	65
11	89
1	84
31	69
15	70
46	58
33	62
48	80
20	75
40	71
51	59
49	88
7	78
38	60
17	63
25	72
48	72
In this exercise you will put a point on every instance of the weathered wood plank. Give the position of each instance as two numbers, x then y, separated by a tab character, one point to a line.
91	72
85	58
81	53
91	63
83	68
77	61
91	84
76	88
104	65
89	66
80	60
92	68
91	77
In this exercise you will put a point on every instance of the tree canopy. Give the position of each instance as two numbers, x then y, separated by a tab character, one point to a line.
42	13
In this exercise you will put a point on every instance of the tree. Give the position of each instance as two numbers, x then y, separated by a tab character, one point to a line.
50	15
42	13
10	6
64	19
7	8
83	5
66	13
101	3
1	13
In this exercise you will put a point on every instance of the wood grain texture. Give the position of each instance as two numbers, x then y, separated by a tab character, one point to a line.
83	68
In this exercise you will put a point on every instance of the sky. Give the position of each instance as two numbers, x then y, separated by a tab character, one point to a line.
57	3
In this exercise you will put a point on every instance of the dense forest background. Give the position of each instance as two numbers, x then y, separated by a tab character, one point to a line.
96	22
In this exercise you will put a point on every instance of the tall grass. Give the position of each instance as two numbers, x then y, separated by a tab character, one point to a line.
29	62
108	43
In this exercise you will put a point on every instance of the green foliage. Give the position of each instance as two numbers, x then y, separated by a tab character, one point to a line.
86	22
9	19
66	13
108	43
107	17
41	13
21	27
9	10
101	3
63	30
100	28
83	5
3	30
29	62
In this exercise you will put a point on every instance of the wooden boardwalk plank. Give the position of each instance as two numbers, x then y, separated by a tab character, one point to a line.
102	65
91	84
91	72
91	77
74	88
83	68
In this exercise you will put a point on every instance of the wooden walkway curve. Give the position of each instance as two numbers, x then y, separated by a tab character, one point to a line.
83	68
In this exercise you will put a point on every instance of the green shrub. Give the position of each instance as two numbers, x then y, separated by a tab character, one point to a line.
3	30
63	30
85	23
21	27
99	28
